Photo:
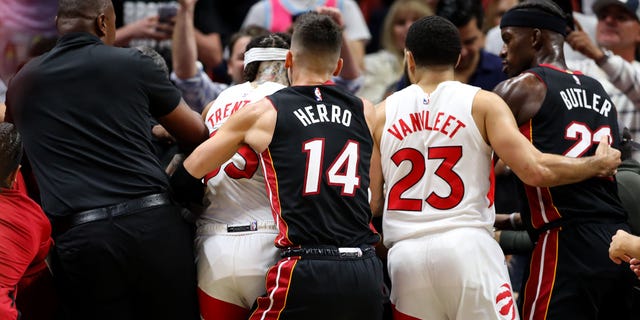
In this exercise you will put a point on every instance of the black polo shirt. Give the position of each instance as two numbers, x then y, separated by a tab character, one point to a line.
83	110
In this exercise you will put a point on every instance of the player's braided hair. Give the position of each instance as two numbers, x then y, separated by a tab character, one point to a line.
272	40
10	151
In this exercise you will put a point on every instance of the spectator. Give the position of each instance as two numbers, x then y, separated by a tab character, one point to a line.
384	67
151	23
278	15
476	67
188	73
612	60
323	219
122	248
23	24
25	240
567	277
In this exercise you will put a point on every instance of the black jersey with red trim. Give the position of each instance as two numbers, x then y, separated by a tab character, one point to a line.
317	168
575	114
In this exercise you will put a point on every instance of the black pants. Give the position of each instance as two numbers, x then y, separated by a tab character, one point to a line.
138	266
579	281
323	288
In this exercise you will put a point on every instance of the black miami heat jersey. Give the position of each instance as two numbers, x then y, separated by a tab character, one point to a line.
317	168
575	114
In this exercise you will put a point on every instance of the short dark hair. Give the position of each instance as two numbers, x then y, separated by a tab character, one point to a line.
460	12
317	33
10	150
433	40
81	8
273	40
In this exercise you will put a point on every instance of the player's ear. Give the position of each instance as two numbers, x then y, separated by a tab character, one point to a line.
411	62
458	62
336	72
288	59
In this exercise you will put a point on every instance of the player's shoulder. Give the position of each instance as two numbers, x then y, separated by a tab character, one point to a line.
520	85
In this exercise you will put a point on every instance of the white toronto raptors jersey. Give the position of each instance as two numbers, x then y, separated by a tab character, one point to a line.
436	165
236	191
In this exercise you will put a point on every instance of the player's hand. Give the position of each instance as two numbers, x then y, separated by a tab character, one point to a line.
607	158
334	13
616	248
634	265
581	42
161	134
149	28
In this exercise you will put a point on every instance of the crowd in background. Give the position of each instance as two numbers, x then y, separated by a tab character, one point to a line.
202	46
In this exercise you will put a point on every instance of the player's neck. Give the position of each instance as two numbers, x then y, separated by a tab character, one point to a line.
429	78
273	71
309	78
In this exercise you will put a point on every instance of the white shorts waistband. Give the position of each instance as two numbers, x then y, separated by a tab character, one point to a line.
222	228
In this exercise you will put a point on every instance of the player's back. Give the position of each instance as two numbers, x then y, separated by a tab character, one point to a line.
575	114
435	162
236	191
317	167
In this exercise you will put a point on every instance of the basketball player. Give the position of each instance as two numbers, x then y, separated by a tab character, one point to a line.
234	238
435	141
564	112
315	145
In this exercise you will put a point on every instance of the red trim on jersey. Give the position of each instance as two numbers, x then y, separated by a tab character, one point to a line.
558	69
397	315
540	202
212	308
541	206
271	184
544	262
491	195
278	282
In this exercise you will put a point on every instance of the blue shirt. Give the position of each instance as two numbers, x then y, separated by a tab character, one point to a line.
487	75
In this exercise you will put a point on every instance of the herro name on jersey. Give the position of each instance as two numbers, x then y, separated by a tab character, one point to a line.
320	113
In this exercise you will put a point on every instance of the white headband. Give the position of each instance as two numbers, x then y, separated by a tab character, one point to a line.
264	54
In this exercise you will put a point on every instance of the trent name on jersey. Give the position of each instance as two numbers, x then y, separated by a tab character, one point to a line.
577	98
321	113
441	122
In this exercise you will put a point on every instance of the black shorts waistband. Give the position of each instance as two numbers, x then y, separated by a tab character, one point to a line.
120	209
328	252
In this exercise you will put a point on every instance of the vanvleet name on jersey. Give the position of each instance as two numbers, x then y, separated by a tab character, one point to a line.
424	120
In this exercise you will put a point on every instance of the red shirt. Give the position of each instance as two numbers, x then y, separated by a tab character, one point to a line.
25	240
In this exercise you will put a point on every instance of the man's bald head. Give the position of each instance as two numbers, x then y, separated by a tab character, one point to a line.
93	16
88	9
